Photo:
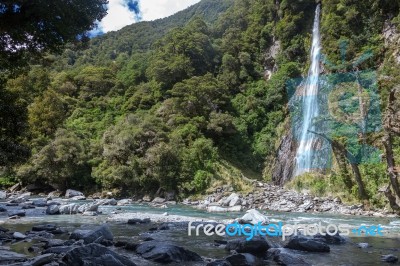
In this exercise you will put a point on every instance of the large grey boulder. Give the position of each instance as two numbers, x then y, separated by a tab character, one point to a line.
89	207
100	233
71	208
53	210
3	195
232	200
70	193
256	246
95	255
165	253
284	257
7	257
307	244
254	217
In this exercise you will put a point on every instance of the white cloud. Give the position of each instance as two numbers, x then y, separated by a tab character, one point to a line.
118	16
154	9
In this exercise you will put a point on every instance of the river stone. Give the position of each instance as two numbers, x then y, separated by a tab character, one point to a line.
330	239
244	259
165	253
54	194
58	250
219	263
40	202
111	202
79	234
19	213
40	260
3	195
389	258
89	207
255	246
306	244
363	245
53	209
124	202
78	198
284	257
70	193
254	217
44	227
158	200
71	208
54	243
19	236
233	197
95	254
222	209
102	232
7	257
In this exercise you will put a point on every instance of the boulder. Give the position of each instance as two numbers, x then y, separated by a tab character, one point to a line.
165	253
232	200
124	202
70	193
389	258
40	260
39	202
283	257
219	263
19	213
146	198
158	200
111	202
330	239
244	259
256	246
54	194
58	250
53	210
79	234
69	208
139	221
100	233
222	209
254	217
363	245
44	227
19	236
7	257
95	254
307	244
54	243
3	195
78	198
89	207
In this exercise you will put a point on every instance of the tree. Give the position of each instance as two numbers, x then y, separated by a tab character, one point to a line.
28	28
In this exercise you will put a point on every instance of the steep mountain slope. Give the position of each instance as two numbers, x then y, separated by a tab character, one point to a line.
197	99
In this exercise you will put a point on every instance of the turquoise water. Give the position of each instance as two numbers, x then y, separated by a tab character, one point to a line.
347	254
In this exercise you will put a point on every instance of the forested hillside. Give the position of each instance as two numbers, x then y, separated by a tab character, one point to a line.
190	101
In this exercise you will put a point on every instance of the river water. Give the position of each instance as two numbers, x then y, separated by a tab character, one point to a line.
345	254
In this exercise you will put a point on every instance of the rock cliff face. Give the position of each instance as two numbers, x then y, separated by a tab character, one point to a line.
392	40
285	161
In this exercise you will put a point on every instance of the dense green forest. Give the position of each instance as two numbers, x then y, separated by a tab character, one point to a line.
189	101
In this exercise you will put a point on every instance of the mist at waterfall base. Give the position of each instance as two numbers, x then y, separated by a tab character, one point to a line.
328	106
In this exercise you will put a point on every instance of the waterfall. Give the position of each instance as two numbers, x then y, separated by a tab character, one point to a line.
310	110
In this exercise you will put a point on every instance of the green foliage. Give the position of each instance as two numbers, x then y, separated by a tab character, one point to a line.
31	27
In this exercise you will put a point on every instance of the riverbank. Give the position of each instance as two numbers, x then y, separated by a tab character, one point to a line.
263	197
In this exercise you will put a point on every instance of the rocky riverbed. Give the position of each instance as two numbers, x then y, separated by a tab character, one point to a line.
72	229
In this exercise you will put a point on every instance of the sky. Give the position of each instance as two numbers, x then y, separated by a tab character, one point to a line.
125	12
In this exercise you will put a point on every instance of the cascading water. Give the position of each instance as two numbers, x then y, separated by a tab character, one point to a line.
310	110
